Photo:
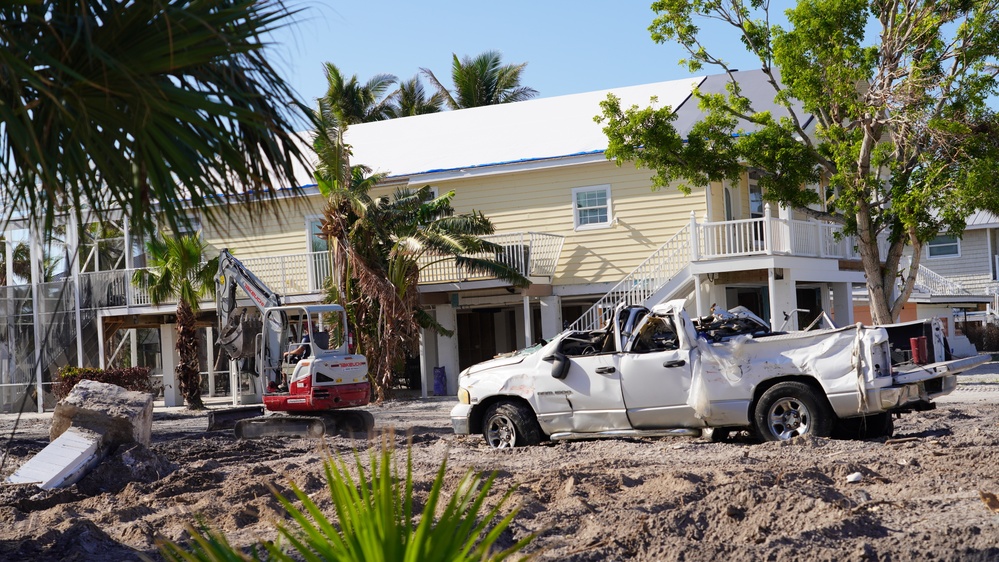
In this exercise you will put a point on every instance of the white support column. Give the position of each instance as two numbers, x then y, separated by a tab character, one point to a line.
37	255
447	347
168	351
772	292
783	299
73	242
843	304
133	336
551	316
210	348
424	360
698	301
528	337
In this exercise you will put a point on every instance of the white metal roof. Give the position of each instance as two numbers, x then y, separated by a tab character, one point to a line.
499	134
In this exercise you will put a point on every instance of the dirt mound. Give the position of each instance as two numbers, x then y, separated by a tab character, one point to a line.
913	497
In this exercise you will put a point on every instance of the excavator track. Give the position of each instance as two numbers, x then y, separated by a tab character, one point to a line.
348	423
280	426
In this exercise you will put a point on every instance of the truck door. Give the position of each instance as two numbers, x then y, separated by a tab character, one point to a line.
593	385
655	378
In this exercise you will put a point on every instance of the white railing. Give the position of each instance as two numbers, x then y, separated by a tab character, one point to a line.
532	254
768	235
929	281
642	283
292	274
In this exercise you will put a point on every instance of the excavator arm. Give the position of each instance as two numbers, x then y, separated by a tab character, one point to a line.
240	326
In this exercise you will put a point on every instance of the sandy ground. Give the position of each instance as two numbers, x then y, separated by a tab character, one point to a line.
634	499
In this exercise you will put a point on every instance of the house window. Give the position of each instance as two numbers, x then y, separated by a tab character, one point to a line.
755	195
591	207
189	227
944	246
316	242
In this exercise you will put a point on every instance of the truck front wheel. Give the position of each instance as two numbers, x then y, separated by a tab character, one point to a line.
507	424
790	409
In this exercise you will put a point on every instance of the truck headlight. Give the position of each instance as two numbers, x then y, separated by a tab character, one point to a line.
463	396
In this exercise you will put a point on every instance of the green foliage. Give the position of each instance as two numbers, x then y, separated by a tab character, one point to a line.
377	520
482	80
142	106
885	104
129	378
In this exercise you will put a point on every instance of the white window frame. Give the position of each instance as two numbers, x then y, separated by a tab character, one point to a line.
956	244
575	210
192	227
309	221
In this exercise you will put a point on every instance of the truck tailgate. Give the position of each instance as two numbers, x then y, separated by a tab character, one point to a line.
917	373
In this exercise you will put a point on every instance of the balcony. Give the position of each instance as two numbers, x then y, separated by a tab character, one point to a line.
533	254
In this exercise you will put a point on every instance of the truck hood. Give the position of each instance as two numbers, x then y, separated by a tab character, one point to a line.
494	363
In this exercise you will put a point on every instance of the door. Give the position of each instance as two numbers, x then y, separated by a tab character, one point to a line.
655	386
592	388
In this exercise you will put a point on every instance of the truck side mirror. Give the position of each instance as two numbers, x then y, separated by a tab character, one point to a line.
560	364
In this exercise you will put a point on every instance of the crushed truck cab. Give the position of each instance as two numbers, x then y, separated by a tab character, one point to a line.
657	372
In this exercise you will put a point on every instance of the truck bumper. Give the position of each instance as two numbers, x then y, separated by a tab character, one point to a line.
900	395
460	416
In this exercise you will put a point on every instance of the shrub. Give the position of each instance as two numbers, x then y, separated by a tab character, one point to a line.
129	378
375	520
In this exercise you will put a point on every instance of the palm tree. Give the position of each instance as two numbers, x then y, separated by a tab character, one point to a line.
411	99
355	102
178	269
142	106
483	80
384	245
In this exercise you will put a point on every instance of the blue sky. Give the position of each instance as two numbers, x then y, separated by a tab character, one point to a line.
570	46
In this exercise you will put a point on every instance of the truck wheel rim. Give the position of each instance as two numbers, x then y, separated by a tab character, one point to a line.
789	418
501	432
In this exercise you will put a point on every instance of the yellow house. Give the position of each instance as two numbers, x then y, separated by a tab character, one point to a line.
587	232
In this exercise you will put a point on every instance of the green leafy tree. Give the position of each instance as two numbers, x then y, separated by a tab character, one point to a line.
903	139
411	99
178	269
482	80
142	106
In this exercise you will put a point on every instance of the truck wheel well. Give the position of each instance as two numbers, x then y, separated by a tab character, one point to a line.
769	383
479	410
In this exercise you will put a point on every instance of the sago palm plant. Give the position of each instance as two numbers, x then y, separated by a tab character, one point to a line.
376	521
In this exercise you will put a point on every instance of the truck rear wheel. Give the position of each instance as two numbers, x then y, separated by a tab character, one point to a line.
507	424
790	409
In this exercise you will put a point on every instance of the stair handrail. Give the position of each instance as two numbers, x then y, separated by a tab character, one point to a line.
643	282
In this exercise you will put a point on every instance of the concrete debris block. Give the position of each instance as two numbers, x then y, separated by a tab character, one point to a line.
119	415
64	461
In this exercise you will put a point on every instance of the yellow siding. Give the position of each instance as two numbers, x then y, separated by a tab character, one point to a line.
264	231
541	201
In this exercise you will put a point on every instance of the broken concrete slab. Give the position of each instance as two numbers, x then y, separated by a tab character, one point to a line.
64	461
119	415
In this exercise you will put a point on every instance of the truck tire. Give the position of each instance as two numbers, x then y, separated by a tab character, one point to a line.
790	409
507	424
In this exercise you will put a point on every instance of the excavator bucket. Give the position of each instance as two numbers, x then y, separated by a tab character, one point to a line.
227	418
280	426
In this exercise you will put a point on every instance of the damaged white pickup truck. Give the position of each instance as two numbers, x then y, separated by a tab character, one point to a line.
658	372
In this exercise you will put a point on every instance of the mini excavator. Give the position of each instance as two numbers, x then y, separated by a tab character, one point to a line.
299	359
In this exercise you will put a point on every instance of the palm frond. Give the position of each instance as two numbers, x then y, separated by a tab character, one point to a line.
151	107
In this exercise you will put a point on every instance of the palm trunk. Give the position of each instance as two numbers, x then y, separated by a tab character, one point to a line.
188	373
